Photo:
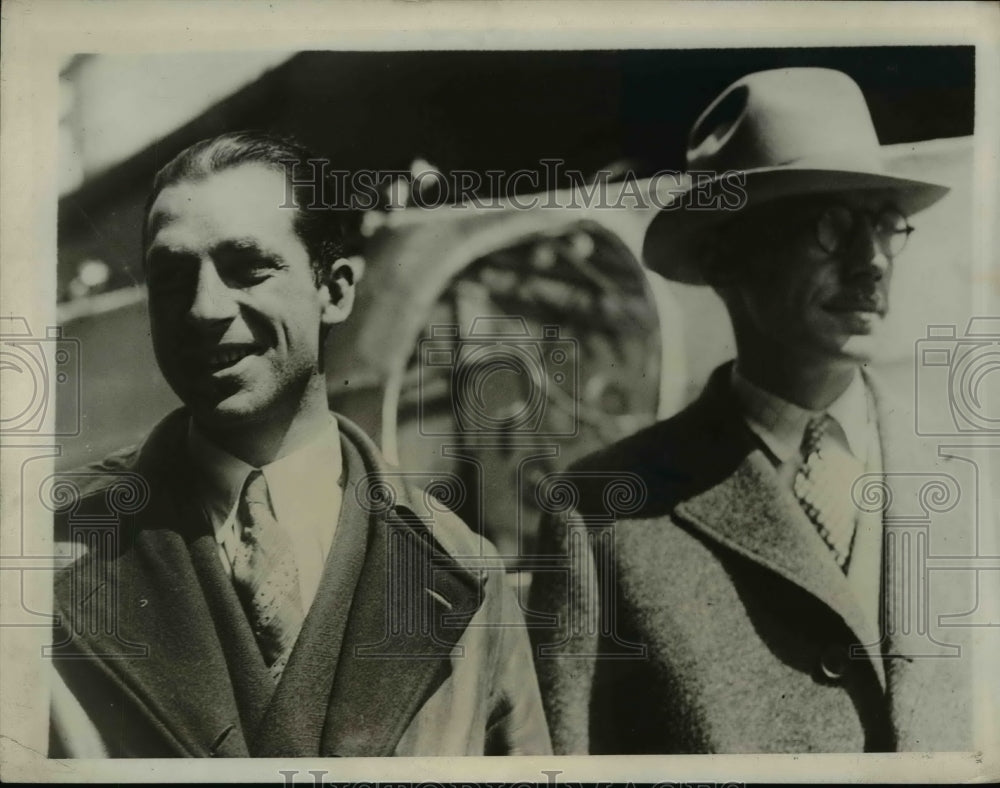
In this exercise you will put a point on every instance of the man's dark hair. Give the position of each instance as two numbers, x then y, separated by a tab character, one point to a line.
327	233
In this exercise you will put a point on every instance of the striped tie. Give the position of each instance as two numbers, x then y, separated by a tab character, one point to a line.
823	487
265	576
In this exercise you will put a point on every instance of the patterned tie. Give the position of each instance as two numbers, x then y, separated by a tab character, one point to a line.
823	487
265	576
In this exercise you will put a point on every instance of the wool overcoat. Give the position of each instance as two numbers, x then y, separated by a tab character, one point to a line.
414	644
697	610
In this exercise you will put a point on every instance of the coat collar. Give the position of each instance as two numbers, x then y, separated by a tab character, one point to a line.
342	674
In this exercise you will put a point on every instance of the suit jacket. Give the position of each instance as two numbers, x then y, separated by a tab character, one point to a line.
414	644
711	618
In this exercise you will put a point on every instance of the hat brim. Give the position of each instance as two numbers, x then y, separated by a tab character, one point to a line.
673	238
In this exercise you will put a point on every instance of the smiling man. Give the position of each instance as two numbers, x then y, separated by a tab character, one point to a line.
263	600
761	611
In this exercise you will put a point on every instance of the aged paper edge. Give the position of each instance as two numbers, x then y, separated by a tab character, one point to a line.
36	35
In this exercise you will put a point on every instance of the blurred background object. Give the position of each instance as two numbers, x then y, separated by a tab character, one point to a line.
488	407
500	346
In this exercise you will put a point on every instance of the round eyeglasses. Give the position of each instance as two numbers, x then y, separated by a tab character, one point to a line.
837	227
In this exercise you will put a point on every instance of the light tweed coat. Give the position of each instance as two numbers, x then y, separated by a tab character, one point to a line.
719	623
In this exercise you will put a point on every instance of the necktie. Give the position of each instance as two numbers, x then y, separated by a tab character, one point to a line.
823	487
265	576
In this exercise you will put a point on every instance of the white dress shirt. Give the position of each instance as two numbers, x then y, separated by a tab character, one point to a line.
780	425
305	489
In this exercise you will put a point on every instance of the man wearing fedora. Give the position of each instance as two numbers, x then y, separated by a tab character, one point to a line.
751	601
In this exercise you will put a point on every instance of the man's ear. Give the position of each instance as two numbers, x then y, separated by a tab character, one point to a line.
337	292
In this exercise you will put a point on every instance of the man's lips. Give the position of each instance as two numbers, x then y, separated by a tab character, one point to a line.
220	357
859	302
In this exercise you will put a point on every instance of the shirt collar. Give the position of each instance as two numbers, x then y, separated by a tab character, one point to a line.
223	475
780	424
852	412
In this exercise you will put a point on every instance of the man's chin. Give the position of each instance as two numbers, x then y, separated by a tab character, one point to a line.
229	413
855	337
861	348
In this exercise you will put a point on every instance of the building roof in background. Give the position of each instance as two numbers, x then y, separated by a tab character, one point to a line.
118	105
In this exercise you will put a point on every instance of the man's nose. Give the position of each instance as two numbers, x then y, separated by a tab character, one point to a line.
213	300
866	255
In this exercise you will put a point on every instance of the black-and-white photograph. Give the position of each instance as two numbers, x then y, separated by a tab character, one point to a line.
542	401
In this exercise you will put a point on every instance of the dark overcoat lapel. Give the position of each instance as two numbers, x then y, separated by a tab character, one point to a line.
411	607
181	688
355	678
361	669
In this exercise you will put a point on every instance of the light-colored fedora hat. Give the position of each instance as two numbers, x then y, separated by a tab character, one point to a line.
782	133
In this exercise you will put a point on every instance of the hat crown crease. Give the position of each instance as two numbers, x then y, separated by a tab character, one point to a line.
774	117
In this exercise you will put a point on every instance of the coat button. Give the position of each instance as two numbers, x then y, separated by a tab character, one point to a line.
833	662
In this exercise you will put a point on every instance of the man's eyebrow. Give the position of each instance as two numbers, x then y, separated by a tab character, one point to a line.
239	244
154	221
242	246
162	251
